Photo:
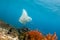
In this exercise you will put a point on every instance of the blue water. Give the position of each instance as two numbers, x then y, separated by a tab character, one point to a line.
45	14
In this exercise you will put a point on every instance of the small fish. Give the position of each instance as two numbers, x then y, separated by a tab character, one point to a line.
24	17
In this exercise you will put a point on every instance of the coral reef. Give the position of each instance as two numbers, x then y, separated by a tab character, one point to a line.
8	32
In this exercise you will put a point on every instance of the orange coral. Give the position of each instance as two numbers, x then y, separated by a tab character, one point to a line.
49	36
54	37
35	35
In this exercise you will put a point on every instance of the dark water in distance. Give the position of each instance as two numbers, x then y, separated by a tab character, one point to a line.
45	14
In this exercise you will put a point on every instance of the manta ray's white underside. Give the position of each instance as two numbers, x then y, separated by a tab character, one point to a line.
24	18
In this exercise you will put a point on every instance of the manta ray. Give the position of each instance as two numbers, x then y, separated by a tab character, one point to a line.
24	18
